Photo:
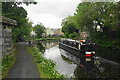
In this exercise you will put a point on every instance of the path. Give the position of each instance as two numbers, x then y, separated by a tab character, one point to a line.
24	66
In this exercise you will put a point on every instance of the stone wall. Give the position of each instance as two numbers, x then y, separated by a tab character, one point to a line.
6	25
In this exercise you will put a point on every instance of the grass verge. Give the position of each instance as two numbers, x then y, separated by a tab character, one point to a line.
46	67
7	62
49	38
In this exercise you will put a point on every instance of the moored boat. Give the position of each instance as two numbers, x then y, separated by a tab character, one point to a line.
80	48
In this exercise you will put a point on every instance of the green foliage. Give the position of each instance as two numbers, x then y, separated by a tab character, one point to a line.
7	62
46	67
82	18
14	11
69	28
105	14
89	16
39	29
73	35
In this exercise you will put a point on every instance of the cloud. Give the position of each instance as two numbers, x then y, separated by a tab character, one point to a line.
51	12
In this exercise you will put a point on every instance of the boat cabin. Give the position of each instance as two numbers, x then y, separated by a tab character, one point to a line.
80	46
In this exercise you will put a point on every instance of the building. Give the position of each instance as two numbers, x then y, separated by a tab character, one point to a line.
48	31
58	32
53	32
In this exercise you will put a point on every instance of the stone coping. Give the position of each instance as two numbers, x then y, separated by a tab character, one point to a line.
7	21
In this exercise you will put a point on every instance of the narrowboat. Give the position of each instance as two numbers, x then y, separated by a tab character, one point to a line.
80	48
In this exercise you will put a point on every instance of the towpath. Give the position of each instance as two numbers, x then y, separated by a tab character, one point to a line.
24	66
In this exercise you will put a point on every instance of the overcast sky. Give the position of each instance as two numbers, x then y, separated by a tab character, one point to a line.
51	12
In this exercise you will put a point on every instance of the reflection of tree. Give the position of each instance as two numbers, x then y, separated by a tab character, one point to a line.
85	72
108	53
92	69
108	70
99	70
40	47
49	44
79	72
84	69
67	59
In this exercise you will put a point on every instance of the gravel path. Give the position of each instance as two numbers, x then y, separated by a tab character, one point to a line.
24	66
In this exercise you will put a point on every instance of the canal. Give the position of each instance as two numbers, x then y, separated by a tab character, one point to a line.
105	64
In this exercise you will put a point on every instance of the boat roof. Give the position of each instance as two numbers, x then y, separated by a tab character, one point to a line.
70	40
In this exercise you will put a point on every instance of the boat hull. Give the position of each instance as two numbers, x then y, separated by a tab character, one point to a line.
72	50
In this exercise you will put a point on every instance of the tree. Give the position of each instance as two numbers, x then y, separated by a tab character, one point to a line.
103	14
39	29
68	27
14	11
73	35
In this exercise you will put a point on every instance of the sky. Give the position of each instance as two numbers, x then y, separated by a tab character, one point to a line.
51	12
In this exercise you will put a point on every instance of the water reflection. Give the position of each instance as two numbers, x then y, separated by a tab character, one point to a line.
73	66
62	67
49	44
93	68
83	66
108	53
89	70
40	46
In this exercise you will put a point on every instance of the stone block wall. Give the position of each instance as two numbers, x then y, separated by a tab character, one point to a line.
6	25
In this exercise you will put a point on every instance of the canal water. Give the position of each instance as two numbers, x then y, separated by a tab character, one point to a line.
103	66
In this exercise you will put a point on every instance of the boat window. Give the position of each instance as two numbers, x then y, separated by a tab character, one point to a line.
67	42
70	43
77	45
84	42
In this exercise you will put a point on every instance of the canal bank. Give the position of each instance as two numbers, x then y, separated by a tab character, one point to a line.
73	69
48	38
45	67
